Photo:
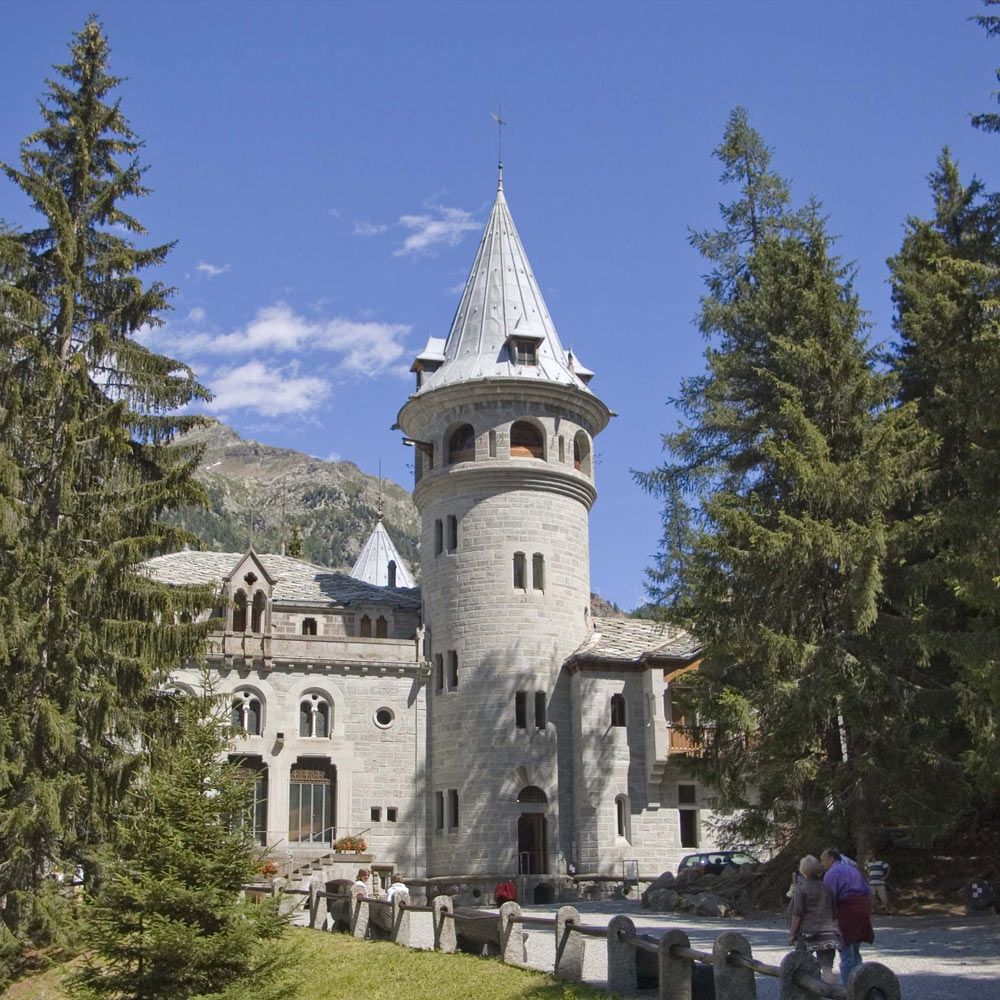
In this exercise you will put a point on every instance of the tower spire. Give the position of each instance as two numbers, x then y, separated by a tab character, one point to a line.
497	117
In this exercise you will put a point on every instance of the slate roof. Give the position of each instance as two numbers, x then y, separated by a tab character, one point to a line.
296	581
636	639
373	561
501	299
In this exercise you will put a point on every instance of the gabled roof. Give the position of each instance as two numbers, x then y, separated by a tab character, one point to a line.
634	640
373	562
501	301
296	581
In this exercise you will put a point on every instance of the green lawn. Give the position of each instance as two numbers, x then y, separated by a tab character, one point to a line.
336	967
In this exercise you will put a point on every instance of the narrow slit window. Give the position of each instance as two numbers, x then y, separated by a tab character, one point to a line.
439	811
438	537
538	571
617	710
392	573
438	672
452	532
521	710
539	709
622	819
452	808
452	669
520	583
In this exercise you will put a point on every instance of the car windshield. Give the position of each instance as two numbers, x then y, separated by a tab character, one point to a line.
739	858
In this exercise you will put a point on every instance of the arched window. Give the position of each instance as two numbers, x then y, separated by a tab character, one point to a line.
617	710
581	454
392	572
245	715
462	445
526	441
309	626
240	612
623	818
381	628
532	793
366	627
259	609
314	717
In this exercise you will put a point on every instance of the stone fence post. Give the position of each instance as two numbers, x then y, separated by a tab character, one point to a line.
732	982
400	919
872	976
444	925
569	945
511	935
622	973
317	904
793	963
675	973
359	913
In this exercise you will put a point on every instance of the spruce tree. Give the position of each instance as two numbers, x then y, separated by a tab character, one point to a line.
779	485
168	922
946	290
87	466
989	121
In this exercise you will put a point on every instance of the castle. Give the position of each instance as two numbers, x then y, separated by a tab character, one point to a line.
483	724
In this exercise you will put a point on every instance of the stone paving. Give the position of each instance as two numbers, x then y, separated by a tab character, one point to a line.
936	958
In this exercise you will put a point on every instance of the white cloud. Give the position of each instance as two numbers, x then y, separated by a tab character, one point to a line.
270	391
196	315
211	270
438	226
334	456
368	347
365	228
456	289
335	212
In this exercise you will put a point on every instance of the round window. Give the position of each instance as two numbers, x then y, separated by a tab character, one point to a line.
384	717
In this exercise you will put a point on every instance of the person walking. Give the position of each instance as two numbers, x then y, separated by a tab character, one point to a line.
878	879
813	924
397	888
851	907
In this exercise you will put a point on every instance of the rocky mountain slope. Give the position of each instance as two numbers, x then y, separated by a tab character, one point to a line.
333	504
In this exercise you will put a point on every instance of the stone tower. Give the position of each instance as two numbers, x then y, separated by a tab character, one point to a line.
502	422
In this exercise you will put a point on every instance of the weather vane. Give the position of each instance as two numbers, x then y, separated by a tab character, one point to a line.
495	115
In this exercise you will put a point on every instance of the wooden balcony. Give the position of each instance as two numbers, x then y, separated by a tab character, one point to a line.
681	738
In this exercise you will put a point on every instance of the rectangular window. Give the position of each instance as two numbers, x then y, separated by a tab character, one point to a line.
438	672
519	572
391	814
438	537
493	444
686	795
521	710
452	532
439	810
452	669
525	352
376	814
538	571
452	808
539	709
689	827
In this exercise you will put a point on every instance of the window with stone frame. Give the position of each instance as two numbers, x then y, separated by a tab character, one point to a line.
240	611
618	710
526	441
539	709
438	537
365	628
258	613
438	672
452	669
462	444
381	627
520	572
623	818
523	351
309	626
314	717
521	709
452	532
687	817
538	571
439	811
452	808
245	713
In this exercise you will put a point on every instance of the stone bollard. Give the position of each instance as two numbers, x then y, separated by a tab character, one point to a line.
317	904
732	981
401	919
359	913
512	951
570	945
872	976
675	973
794	962
444	926
622	973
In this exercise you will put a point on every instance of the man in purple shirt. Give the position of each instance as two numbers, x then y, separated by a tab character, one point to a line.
851	907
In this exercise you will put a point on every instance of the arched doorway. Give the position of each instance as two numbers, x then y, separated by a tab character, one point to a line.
532	832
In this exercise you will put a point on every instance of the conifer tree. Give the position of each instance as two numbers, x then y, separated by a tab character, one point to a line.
87	463
294	547
946	289
789	458
989	121
168	922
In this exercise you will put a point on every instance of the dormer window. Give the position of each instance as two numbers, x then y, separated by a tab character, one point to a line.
523	351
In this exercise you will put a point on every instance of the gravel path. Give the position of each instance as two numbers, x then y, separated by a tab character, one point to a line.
936	958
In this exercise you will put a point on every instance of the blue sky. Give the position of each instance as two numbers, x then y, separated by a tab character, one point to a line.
326	169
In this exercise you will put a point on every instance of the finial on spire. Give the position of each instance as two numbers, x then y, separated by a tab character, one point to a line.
496	116
380	505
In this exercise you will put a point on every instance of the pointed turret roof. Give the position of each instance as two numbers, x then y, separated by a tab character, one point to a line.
373	562
501	303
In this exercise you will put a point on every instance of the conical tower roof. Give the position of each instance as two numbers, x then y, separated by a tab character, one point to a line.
501	309
373	562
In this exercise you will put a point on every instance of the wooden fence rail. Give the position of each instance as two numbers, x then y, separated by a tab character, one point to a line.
636	961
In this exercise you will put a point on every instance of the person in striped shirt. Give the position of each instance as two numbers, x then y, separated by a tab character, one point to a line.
878	876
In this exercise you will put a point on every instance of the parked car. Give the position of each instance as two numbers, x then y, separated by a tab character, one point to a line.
714	862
